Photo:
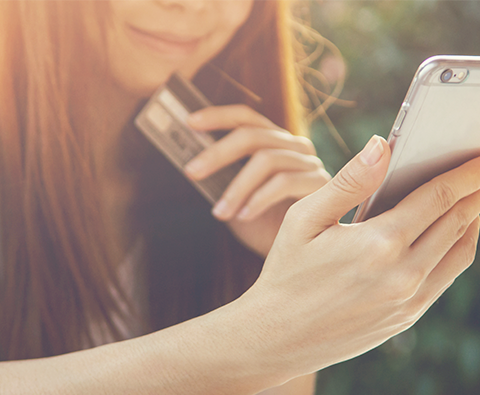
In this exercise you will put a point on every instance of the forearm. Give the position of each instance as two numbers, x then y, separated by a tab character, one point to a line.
303	385
215	354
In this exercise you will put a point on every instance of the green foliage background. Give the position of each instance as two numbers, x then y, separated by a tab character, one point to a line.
383	43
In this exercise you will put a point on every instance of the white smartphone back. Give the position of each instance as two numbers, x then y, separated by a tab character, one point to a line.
436	130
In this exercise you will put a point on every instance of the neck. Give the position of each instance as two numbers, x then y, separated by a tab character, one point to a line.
110	110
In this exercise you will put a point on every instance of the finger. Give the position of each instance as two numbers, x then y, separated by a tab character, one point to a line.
419	305
353	184
413	215
256	172
283	186
228	117
239	144
438	240
455	262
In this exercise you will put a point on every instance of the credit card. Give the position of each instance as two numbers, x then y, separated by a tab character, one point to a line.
163	120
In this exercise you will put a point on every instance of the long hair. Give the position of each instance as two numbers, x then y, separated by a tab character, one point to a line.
58	257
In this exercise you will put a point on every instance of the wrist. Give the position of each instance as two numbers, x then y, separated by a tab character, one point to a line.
258	337
229	350
234	349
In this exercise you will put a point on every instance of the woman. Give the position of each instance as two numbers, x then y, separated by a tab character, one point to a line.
97	236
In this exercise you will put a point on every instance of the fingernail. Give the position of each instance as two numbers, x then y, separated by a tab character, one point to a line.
244	213
373	151
221	209
194	118
194	168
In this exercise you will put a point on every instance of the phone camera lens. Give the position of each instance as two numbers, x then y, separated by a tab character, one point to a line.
446	75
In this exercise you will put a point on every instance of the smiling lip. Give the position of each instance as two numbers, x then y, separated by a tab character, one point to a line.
165	43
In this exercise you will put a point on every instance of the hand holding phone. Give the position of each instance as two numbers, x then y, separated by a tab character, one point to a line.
437	129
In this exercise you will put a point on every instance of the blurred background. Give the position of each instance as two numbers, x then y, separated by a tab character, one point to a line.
383	42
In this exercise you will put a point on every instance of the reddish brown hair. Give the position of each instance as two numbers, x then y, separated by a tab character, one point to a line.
57	259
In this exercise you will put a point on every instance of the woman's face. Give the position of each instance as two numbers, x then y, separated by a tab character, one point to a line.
148	40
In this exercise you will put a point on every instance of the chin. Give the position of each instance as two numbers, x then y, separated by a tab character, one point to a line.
143	85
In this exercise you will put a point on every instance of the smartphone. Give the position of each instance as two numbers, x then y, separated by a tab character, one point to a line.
436	129
163	120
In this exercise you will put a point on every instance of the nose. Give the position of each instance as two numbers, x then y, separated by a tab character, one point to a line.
192	5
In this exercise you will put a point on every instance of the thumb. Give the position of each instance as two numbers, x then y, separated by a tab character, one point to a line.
358	180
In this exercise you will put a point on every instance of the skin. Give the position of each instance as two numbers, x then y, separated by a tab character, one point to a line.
343	289
147	42
336	303
204	27
282	168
